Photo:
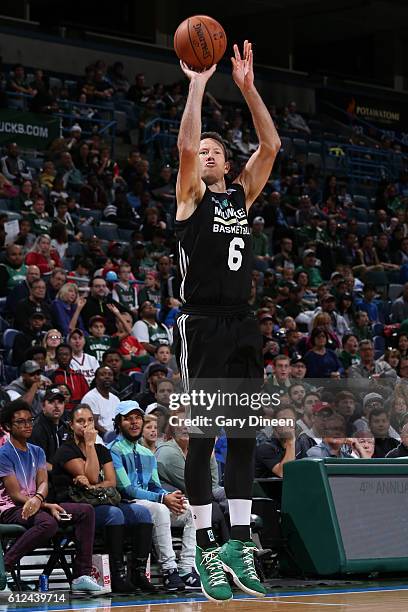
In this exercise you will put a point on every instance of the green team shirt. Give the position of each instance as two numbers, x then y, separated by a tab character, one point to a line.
97	346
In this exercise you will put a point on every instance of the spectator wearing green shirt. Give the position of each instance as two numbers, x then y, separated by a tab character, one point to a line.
260	244
97	342
39	219
309	266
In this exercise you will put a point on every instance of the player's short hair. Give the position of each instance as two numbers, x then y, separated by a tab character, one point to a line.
218	138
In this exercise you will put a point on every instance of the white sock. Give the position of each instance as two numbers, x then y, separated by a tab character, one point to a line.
240	511
202	516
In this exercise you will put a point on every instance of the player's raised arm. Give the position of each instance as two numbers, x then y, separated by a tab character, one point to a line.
259	166
190	188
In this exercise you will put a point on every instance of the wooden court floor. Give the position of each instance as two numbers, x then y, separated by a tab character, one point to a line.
393	600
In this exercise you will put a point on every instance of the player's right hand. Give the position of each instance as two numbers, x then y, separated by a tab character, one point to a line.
203	76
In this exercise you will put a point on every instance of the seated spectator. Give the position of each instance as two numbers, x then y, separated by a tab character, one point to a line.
345	404
163	356
37	354
6	188
75	381
56	280
32	336
312	424
13	270
271	455
309	266
156	372
148	330
134	354
82	362
42	255
71	177
379	425
349	356
398	405
362	328
137	480
123	386
36	302
67	308
80	274
39	219
25	238
47	175
399	309
392	357
296	121
151	291
297	394
51	340
98	304
368	368
49	428
125	291
333	443
71	466
279	381
320	361
23	494
29	386
98	341
366	304
297	368
102	402
402	449
92	194
362	445
149	433
13	167
171	459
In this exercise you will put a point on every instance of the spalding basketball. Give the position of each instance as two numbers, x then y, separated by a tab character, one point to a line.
200	42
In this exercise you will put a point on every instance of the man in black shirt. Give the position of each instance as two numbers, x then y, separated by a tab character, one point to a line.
34	303
123	385
31	337
49	428
271	455
156	372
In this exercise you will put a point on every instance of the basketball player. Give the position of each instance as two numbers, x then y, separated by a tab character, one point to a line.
215	336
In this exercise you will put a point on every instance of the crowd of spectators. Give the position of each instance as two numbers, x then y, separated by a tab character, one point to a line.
93	317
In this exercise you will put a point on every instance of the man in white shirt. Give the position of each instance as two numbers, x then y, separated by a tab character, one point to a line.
82	362
102	402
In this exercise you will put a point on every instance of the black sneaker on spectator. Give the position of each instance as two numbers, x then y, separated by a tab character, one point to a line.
172	581
192	580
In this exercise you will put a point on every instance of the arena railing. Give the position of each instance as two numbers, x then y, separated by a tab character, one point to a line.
106	126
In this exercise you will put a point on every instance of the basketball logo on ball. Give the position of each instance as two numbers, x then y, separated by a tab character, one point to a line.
200	42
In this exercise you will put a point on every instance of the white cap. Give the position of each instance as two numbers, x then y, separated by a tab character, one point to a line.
76	128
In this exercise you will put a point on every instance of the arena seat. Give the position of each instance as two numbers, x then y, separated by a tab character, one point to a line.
394	291
57	551
107	231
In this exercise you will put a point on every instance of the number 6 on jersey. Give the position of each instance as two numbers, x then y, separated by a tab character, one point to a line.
234	255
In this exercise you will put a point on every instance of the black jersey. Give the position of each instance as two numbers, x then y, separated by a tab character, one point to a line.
215	251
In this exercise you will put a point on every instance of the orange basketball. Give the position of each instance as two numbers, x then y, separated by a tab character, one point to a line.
200	42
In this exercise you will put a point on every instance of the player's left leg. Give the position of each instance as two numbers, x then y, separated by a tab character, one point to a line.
237	555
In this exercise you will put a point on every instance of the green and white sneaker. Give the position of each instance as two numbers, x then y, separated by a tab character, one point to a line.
238	559
214	583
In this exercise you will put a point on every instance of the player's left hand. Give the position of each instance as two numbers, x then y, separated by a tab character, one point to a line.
242	68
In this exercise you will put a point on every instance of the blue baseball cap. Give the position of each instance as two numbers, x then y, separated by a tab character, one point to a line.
123	408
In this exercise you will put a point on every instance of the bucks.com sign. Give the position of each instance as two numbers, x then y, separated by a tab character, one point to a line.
28	130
